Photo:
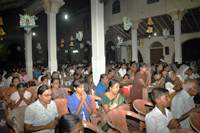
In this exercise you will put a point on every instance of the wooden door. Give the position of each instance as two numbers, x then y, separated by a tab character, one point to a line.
156	54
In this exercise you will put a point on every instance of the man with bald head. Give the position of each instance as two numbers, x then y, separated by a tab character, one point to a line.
183	104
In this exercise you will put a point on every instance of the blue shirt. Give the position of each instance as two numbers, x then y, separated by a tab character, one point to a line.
100	89
37	73
73	103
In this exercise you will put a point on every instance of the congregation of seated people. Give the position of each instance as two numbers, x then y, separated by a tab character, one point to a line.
173	98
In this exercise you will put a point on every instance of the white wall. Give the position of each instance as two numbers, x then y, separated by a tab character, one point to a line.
166	43
139	9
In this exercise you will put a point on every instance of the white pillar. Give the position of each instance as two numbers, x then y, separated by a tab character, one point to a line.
51	9
28	54
134	28
177	17
124	53
178	46
98	39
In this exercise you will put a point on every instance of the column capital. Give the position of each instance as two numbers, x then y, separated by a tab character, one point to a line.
177	14
135	23
105	29
52	5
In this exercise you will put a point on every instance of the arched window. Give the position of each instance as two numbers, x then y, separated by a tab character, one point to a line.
116	6
156	45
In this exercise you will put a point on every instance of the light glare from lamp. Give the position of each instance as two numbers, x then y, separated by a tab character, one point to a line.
75	51
155	34
66	17
33	33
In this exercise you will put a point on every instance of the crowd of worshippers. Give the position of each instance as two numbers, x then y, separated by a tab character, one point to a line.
173	103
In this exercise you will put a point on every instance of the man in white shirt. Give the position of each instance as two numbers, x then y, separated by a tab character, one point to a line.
9	79
162	59
183	104
160	119
122	70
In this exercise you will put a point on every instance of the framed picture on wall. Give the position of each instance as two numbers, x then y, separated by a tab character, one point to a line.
138	42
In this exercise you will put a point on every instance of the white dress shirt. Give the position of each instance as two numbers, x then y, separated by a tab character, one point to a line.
122	72
169	86
156	121
9	80
181	104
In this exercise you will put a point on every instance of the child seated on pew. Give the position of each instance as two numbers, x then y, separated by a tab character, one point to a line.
126	89
160	119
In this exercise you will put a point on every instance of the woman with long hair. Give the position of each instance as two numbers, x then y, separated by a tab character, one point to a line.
111	100
142	79
111	73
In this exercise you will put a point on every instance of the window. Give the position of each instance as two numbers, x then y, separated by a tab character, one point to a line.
156	45
116	7
151	1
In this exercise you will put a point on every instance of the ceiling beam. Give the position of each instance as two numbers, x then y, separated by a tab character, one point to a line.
5	1
140	31
12	4
122	30
165	23
170	19
188	23
158	23
142	27
119	31
194	18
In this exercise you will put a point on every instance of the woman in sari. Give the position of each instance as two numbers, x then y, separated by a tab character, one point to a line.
111	100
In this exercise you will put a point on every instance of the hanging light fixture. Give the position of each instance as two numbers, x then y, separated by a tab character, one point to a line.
71	43
150	24
2	33
62	43
1	21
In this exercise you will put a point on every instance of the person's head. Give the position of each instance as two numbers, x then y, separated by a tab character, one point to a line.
160	96
23	72
191	86
21	89
123	66
12	73
128	71
78	86
70	123
126	77
166	67
163	57
103	79
44	80
44	72
157	75
195	69
49	75
170	77
142	67
88	79
15	81
116	68
44	94
55	75
74	66
113	86
111	71
78	70
55	83
159	66
189	72
31	83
